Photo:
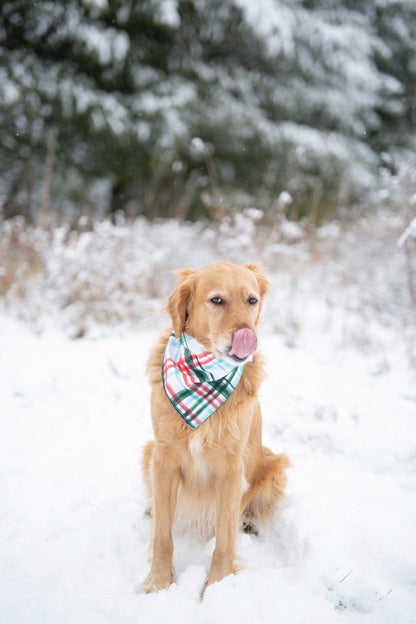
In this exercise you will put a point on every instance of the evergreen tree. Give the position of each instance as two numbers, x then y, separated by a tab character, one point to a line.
395	24
170	107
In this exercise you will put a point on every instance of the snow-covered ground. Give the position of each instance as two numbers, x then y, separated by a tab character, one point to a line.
73	535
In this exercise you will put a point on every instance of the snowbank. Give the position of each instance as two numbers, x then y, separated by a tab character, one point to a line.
73	534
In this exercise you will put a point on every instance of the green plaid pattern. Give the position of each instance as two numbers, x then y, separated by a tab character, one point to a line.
196	382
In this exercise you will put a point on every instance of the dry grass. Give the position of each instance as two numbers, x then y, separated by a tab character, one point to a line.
109	274
21	256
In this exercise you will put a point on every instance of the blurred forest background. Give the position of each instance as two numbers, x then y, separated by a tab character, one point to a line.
140	137
186	108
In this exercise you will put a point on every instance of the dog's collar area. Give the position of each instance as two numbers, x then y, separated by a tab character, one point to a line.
196	381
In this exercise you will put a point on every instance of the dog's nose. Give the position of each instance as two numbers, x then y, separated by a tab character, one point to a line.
244	343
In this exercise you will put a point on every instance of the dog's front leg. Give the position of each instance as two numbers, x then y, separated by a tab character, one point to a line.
228	500
165	481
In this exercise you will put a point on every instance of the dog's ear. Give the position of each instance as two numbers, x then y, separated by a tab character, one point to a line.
179	299
262	280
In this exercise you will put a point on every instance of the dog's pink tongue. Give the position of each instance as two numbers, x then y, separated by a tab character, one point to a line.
244	343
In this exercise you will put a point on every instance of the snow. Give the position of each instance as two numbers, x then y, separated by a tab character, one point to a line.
408	234
73	534
274	23
169	13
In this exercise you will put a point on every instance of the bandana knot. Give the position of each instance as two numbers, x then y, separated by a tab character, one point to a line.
196	382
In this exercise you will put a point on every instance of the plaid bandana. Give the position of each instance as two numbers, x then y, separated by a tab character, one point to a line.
196	382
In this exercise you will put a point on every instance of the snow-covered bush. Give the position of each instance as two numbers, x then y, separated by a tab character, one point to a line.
104	274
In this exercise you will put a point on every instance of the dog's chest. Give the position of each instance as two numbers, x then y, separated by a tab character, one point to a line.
199	465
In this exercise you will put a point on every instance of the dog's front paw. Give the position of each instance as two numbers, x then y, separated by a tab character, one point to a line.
210	580
221	566
155	582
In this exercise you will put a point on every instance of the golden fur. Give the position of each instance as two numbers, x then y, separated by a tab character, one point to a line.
218	475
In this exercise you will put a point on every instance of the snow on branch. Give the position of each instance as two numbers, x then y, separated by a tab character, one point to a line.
410	232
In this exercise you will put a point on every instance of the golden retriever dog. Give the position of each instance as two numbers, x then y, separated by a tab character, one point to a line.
216	477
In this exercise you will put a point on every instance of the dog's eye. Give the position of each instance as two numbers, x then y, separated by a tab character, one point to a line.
217	300
252	301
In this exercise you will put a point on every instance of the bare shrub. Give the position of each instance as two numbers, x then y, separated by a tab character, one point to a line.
352	271
21	256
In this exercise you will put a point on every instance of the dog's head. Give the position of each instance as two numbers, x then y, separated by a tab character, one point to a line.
219	306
